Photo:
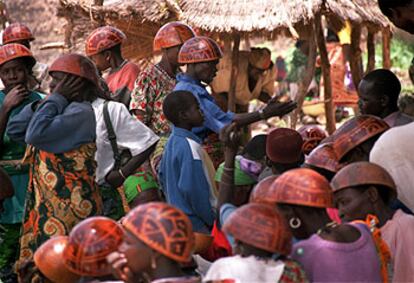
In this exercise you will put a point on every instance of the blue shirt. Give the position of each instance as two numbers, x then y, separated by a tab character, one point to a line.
183	179
214	118
57	126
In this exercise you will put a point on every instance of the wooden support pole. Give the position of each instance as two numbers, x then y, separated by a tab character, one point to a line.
371	51
234	71
356	57
306	80
386	49
326	72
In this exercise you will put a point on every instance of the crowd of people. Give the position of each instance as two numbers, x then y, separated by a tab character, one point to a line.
123	174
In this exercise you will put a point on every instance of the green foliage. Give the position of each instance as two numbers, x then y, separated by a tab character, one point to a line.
401	54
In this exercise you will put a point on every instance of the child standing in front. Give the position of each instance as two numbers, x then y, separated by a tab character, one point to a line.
185	171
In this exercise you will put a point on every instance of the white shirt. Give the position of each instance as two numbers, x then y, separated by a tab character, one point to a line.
245	269
394	151
130	134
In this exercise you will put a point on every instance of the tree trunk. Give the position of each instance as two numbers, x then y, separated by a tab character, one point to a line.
326	72
307	79
356	59
386	49
234	71
371	51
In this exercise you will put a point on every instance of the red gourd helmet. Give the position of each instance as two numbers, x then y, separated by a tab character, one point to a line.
172	34
13	51
199	49
90	242
103	38
16	32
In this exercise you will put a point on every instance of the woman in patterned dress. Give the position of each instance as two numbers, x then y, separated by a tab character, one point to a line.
156	81
61	134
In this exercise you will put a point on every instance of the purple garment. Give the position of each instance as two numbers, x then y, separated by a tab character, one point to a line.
326	261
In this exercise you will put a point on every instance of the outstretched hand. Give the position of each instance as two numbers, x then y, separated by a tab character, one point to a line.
69	86
279	108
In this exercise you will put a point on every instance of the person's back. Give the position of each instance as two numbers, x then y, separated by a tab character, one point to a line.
328	261
184	171
398	160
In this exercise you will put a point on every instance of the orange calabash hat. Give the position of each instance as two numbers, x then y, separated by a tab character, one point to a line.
172	34
323	157
13	51
261	190
103	38
362	174
356	131
16	32
163	228
303	187
199	49
90	242
312	135
49	259
260	226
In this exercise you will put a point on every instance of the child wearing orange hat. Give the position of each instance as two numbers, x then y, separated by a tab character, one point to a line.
61	131
16	63
362	189
88	246
261	234
158	238
103	46
21	34
328	251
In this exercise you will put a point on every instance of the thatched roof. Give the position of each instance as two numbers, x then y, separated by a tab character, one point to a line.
243	16
138	19
374	17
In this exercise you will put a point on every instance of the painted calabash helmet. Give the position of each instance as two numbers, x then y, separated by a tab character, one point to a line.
163	228
49	259
261	226
14	51
304	187
89	243
17	32
78	65
199	49
363	173
172	34
103	38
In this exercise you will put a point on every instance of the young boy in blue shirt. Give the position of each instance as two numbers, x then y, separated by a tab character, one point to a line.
185	169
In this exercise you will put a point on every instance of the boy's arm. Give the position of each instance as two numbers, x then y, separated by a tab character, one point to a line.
59	126
196	189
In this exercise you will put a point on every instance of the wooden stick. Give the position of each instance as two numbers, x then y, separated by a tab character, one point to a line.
371	51
386	49
356	59
234	72
306	80
326	72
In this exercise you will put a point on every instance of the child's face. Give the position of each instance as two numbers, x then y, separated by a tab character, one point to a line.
352	204
138	255
13	73
195	115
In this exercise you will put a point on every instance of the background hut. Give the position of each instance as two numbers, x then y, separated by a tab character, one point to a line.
139	19
296	18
